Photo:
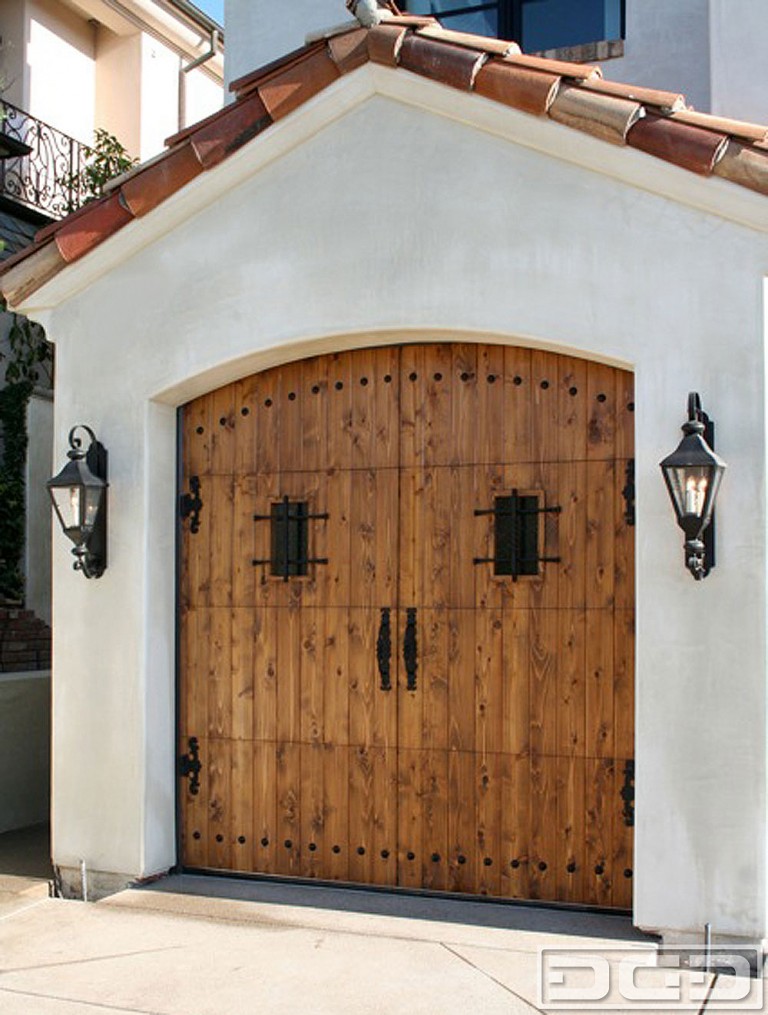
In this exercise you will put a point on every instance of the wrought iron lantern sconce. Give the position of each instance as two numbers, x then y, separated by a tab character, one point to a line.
693	473
79	496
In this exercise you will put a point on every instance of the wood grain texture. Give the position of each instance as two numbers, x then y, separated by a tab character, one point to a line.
502	773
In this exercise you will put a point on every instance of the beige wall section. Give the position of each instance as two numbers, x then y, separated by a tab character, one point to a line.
12	50
61	58
118	82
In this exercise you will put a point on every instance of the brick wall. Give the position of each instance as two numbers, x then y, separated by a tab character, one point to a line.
25	641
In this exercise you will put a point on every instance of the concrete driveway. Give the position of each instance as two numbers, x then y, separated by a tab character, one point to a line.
207	946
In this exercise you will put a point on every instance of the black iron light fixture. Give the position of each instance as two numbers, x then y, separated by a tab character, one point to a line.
79	496
693	473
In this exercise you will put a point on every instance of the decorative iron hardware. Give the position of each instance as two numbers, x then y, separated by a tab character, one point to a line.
191	504
628	794
190	766
384	650
44	169
516	535
628	493
410	649
290	538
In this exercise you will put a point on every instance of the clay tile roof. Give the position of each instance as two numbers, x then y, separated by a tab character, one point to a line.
574	95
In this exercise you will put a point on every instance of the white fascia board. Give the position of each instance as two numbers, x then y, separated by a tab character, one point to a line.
645	172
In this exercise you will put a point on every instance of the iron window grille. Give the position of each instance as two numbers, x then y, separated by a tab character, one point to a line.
289	539
537	25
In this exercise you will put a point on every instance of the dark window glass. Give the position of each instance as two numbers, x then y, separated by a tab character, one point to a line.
550	24
289	538
535	24
516	535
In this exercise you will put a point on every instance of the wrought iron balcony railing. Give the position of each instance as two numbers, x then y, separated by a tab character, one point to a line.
47	179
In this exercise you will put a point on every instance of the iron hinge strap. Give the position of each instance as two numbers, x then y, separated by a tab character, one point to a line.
190	765
190	504
628	793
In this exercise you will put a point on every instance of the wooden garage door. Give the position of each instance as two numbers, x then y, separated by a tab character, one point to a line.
375	696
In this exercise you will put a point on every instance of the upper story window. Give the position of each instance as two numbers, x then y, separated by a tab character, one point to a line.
535	24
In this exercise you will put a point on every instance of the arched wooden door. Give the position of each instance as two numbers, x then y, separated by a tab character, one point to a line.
407	612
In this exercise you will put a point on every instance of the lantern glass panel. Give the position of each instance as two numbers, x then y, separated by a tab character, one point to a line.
68	502
689	487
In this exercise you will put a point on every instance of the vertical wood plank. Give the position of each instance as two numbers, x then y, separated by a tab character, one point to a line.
600	737
461	683
518	405
601	425
289	806
219	778
434	819
242	794
410	849
600	785
462	821
266	830
223	422
265	645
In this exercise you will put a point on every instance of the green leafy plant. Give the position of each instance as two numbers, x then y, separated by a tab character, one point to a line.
13	425
105	159
30	355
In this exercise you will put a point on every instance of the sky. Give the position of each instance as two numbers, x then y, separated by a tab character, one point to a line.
213	8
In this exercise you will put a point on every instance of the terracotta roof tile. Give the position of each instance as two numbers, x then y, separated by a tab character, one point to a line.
690	147
667	101
575	95
349	51
744	131
450	65
496	47
235	126
246	84
531	91
603	116
290	88
578	71
31	268
744	166
145	191
78	235
384	44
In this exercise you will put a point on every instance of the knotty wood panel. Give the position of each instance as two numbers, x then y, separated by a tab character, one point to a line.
502	773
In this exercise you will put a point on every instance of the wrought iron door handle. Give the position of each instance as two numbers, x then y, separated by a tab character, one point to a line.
410	648
384	650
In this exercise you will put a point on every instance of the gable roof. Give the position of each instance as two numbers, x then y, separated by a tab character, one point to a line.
576	95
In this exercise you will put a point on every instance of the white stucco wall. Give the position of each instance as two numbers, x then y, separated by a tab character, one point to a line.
259	31
511	230
667	46
739	43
